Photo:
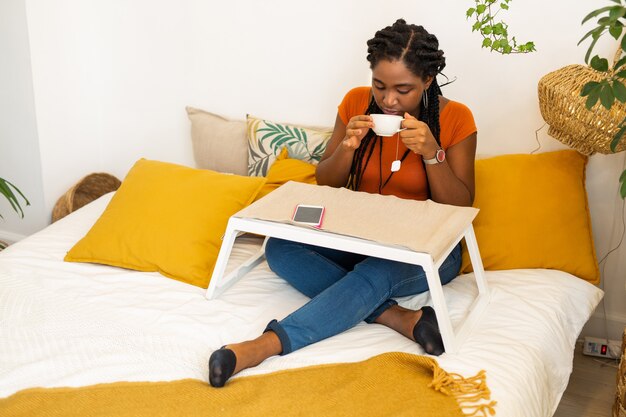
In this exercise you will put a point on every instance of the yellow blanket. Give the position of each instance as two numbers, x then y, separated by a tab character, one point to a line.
391	384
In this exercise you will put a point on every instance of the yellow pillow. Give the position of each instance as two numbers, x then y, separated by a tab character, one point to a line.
286	169
534	214
167	218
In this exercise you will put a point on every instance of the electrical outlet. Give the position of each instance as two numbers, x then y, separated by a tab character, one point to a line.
593	346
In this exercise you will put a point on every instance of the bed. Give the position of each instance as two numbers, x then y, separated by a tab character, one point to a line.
77	324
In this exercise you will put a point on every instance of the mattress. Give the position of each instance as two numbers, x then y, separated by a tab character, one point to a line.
73	324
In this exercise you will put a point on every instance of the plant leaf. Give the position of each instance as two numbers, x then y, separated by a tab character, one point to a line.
593	43
616	12
619	90
19	192
530	46
616	139
606	97
593	97
595	13
622	188
498	29
616	31
587	88
10	196
599	64
591	32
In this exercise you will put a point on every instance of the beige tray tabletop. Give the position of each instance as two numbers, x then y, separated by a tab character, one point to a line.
422	226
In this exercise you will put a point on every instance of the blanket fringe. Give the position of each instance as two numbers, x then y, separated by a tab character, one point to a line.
470	392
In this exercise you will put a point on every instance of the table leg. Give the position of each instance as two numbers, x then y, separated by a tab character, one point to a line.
478	307
477	263
453	338
222	260
440	307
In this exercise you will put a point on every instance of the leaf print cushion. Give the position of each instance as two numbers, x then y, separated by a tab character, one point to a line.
266	139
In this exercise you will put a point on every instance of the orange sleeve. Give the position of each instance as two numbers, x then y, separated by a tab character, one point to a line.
457	125
354	103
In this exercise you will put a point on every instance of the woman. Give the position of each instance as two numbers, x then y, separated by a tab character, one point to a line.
436	150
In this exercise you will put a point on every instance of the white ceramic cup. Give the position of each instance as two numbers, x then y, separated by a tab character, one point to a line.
387	124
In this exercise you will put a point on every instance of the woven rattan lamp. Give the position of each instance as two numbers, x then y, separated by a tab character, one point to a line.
563	108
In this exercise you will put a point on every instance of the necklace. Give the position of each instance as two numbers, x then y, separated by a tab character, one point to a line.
395	164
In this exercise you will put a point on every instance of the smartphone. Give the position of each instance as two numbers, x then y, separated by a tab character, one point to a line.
311	215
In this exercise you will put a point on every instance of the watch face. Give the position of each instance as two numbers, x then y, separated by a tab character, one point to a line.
440	155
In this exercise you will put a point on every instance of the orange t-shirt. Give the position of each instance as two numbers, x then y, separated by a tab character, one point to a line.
456	123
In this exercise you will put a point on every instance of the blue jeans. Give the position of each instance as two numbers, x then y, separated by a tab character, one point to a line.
345	288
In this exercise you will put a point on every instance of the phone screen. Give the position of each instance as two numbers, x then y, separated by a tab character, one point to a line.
305	214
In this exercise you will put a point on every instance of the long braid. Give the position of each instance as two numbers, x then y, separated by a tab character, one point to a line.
430	115
419	51
365	148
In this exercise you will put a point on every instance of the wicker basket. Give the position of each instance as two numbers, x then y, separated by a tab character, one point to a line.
619	408
84	191
563	108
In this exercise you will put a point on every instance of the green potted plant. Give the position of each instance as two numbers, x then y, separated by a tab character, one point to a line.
611	19
496	33
8	190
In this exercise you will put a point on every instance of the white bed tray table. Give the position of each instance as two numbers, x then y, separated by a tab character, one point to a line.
417	232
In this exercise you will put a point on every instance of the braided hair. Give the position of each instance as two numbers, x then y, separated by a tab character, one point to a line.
419	51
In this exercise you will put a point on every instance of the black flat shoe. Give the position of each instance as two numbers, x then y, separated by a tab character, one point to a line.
426	332
221	366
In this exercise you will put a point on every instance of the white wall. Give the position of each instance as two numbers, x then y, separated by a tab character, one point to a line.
19	147
608	216
112	77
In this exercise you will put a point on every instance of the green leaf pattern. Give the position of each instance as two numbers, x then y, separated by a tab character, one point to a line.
266	139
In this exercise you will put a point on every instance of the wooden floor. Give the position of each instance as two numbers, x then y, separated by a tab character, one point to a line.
591	388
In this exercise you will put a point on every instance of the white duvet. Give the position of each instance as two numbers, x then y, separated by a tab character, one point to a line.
70	324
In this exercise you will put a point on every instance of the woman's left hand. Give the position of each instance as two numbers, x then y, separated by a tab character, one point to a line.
417	137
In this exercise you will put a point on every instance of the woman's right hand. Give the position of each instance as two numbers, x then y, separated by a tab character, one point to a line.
334	166
356	129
